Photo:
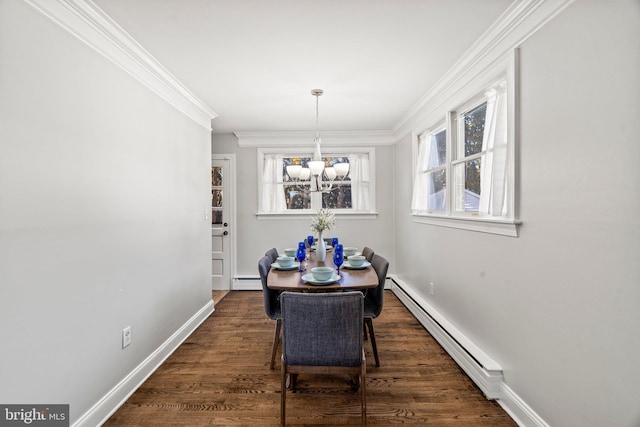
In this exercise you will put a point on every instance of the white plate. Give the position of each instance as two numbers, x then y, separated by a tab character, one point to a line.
329	247
359	267
309	279
279	267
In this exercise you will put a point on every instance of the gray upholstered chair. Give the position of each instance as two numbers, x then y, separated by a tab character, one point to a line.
374	300
271	304
273	254
367	252
322	334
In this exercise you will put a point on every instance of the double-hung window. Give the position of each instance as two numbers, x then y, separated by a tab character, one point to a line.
283	195
464	168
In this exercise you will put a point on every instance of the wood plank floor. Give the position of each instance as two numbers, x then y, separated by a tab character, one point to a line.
221	376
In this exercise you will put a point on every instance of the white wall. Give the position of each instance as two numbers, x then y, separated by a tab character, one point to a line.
103	189
255	236
557	306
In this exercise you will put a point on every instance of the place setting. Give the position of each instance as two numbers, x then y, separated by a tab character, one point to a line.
285	263
321	276
356	262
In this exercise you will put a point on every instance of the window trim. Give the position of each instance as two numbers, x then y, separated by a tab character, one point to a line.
326	152
463	102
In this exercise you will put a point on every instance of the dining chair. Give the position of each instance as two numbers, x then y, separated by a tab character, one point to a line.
271	304
374	300
367	252
273	254
322	334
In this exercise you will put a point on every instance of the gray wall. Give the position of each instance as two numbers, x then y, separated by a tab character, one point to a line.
255	236
103	189
557	306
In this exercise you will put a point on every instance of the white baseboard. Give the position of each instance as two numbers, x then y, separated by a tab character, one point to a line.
246	283
518	409
482	370
106	406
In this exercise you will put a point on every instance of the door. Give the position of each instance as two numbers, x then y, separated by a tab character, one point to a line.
221	221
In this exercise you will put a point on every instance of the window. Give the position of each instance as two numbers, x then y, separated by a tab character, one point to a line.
464	174
282	195
296	193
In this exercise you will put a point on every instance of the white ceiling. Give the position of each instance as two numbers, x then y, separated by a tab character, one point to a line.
254	62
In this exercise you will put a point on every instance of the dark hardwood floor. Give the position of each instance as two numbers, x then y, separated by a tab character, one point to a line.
221	376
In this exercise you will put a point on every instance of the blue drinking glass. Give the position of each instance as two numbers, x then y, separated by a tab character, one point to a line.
301	254
338	257
334	241
338	249
310	241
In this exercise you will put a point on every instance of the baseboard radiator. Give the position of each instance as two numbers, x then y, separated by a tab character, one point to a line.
246	283
482	370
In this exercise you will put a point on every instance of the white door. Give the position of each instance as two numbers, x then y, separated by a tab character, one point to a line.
222	215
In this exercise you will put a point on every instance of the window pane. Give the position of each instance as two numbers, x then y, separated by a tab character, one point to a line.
467	196
216	198
474	130
216	217
338	198
437	182
216	176
296	199
441	147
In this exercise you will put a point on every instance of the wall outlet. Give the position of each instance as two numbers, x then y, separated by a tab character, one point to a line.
432	288
126	336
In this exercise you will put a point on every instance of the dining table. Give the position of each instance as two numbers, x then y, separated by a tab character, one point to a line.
350	279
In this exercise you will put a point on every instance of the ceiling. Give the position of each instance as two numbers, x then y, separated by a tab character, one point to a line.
255	62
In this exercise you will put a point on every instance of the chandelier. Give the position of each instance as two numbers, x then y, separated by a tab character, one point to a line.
321	176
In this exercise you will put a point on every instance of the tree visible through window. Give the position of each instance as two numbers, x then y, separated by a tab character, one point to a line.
282	194
477	169
297	195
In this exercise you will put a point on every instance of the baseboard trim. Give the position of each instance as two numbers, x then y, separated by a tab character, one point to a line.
105	407
490	381
483	370
518	409
246	283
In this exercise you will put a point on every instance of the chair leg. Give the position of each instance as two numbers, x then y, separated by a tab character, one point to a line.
363	390
276	339
369	322
283	392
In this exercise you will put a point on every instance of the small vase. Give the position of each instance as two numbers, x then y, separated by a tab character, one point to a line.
321	249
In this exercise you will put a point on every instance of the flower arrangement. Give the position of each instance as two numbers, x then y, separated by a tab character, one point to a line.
324	220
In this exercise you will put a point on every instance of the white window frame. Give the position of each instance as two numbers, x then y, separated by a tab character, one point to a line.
316	198
471	97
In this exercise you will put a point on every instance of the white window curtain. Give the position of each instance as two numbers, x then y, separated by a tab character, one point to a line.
423	188
359	174
272	188
493	178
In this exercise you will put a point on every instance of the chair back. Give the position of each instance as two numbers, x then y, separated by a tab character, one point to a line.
322	329
273	254
271	305
375	297
367	252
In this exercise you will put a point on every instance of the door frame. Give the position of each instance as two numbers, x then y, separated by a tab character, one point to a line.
230	205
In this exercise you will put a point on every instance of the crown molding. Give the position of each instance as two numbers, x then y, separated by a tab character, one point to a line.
87	22
519	22
330	139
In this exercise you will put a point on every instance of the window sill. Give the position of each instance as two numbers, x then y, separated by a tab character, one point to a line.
263	216
482	225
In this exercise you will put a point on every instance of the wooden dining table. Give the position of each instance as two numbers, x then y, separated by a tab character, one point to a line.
350	278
